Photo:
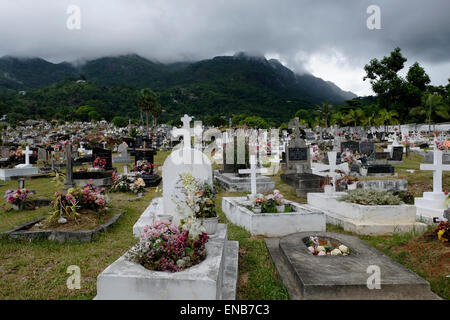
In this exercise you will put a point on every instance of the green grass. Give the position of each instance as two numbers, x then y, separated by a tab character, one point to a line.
37	270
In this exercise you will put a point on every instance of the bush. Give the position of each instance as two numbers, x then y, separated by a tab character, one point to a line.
371	198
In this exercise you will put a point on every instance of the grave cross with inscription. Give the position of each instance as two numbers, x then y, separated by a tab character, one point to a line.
253	171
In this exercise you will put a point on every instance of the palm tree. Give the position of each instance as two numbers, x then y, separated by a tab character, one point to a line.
434	106
386	118
337	118
156	112
355	117
146	101
324	112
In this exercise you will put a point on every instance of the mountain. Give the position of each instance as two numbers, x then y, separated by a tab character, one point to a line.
223	85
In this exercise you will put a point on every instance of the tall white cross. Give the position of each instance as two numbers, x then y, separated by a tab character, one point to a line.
437	167
332	166
253	171
27	154
185	131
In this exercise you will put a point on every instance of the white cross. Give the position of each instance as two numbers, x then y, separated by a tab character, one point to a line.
332	166
185	131
437	167
253	171
27	153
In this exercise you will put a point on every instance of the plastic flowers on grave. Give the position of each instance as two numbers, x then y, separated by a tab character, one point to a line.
98	165
128	184
16	197
165	247
348	156
443	145
199	198
322	247
144	167
443	231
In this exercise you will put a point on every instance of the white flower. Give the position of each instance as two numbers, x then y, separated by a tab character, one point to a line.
343	248
336	252
322	253
320	248
311	249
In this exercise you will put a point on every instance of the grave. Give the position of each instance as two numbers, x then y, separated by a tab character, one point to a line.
151	179
24	169
310	277
366	220
123	154
97	178
214	278
432	204
230	178
298	173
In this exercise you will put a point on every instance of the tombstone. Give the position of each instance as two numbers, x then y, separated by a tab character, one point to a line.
432	204
367	148
42	155
397	154
4	153
253	171
123	154
69	183
103	154
27	164
353	146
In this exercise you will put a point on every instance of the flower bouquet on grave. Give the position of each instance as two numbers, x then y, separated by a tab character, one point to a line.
165	247
322	247
17	156
144	167
98	165
16	198
127	184
349	157
443	231
317	155
443	145
258	204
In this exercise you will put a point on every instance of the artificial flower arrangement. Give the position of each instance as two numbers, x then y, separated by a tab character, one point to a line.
17	156
17	197
317	155
350	157
199	196
443	145
71	203
144	167
127	184
320	247
98	165
165	247
443	231
271	203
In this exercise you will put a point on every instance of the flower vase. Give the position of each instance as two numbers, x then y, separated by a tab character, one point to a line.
351	186
210	224
328	189
280	208
257	209
17	207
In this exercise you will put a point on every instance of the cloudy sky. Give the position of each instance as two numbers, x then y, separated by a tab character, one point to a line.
328	38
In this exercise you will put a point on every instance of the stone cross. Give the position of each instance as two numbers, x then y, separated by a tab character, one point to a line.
437	167
69	173
332	166
253	171
185	131
27	153
295	125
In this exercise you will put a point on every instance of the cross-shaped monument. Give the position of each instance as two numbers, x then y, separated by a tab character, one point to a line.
27	154
185	131
437	167
252	171
332	167
294	124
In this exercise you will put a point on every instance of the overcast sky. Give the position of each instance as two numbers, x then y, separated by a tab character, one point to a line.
328	38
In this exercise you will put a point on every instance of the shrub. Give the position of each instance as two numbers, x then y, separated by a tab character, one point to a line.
371	198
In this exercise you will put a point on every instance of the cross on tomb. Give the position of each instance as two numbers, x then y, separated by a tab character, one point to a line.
437	167
295	125
185	131
27	153
253	171
332	166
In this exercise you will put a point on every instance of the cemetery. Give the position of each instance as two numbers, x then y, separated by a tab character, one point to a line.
175	169
297	222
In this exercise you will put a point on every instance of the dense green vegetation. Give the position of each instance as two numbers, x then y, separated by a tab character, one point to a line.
213	90
249	90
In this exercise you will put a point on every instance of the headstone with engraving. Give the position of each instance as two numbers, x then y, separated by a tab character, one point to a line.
123	154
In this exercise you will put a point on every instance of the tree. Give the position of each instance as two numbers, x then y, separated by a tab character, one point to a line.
386	118
147	102
355	117
304	116
255	122
119	121
324	111
338	118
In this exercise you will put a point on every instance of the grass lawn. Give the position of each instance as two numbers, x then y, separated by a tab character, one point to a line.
37	270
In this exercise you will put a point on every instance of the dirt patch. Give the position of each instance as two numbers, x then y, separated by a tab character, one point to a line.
88	220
